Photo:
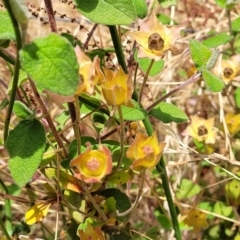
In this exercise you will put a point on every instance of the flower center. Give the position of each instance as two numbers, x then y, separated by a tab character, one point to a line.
155	42
93	164
227	72
147	149
202	131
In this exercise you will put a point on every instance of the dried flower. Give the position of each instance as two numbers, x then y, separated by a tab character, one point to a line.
201	129
145	151
90	72
154	38
92	165
115	89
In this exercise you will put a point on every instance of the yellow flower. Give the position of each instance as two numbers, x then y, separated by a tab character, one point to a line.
201	129
196	219
145	151
92	165
115	89
229	69
90	72
154	38
233	122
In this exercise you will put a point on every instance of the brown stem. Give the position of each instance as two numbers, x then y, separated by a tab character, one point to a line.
89	36
193	79
50	13
48	118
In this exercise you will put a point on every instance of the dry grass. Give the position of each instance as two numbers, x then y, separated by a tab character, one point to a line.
199	17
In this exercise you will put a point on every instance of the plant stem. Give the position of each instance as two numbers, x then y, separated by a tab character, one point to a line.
50	13
118	47
76	125
17	69
8	229
119	163
48	118
192	79
149	128
89	36
7	58
92	200
144	81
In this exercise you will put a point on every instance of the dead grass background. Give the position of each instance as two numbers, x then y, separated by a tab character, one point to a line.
198	17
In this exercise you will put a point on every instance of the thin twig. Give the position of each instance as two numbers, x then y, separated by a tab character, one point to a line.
89	36
48	118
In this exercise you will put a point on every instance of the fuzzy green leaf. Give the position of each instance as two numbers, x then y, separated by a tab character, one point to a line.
26	145
52	63
109	12
217	40
199	53
6	29
167	113
213	82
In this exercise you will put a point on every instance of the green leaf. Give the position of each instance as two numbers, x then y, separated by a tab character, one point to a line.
164	19
98	121
163	219
145	62
110	205
236	25
217	40
167	3
132	114
141	8
167	112
187	189
6	29
199	53
122	201
222	209
120	177
237	97
51	62
213	82
21	110
109	12
221	3
26	145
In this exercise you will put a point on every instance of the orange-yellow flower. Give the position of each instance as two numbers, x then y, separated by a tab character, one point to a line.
201	129
90	72
233	122
116	89
92	165
90	231
145	151
196	219
154	38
